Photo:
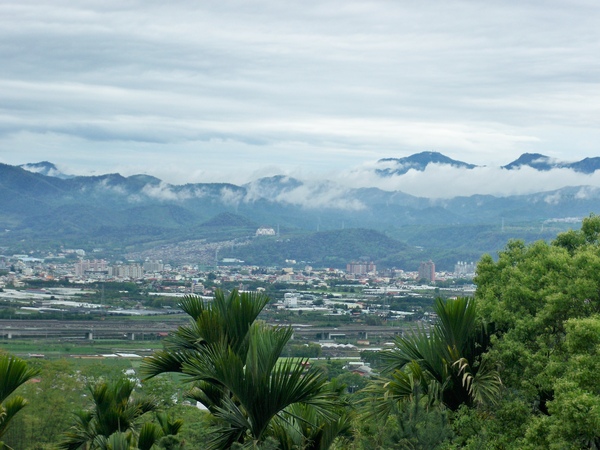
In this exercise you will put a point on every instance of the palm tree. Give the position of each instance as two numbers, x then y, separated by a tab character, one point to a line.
13	373
298	431
161	434
226	319
114	410
233	362
151	436
445	363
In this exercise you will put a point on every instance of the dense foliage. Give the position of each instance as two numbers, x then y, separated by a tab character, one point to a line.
232	362
515	367
13	373
544	302
322	249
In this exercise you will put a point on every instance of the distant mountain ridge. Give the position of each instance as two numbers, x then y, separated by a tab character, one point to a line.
537	161
114	211
25	193
391	167
45	168
544	163
418	161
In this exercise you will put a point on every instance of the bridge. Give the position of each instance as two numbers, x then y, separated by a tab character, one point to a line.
348	332
86	329
150	330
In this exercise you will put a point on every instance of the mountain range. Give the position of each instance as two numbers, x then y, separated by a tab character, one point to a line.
419	161
42	206
537	161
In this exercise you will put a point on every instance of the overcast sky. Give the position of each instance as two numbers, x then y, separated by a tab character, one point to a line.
220	90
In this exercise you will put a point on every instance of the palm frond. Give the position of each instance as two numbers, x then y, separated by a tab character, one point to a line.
116	441
81	431
168	426
445	360
13	373
163	361
302	426
148	435
456	321
8	411
484	385
193	306
209	394
233	362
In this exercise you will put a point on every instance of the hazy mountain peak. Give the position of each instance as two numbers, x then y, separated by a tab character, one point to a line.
534	160
227	219
586	165
544	163
142	180
271	187
45	168
418	161
278	181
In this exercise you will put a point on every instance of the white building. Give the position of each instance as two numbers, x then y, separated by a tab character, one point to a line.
153	266
96	267
462	269
290	300
134	271
265	231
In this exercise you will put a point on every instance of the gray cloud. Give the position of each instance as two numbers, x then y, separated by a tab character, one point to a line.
198	91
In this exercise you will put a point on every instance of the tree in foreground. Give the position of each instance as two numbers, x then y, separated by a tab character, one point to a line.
13	373
431	374
444	363
113	421
232	361
544	302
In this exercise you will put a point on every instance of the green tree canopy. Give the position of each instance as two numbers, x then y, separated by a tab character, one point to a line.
543	300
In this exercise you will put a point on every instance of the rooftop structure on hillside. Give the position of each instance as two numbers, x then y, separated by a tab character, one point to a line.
265	231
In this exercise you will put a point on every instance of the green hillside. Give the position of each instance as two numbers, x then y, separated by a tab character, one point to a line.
321	249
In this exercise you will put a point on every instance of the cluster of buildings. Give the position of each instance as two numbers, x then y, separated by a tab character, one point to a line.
101	269
82	270
361	268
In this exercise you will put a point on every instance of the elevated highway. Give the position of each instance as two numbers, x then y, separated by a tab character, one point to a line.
86	329
148	329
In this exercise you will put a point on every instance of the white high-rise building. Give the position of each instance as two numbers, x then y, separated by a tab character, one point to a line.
153	266
96	267
462	269
134	271
290	300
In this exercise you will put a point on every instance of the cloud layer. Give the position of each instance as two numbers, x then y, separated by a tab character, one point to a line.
218	91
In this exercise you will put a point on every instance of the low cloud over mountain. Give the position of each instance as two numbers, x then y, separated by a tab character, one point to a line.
434	192
426	175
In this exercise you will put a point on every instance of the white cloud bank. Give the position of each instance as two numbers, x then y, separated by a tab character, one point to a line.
441	181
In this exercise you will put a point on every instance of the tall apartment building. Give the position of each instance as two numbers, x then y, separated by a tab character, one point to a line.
96	267
134	271
153	266
427	271
463	269
360	268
